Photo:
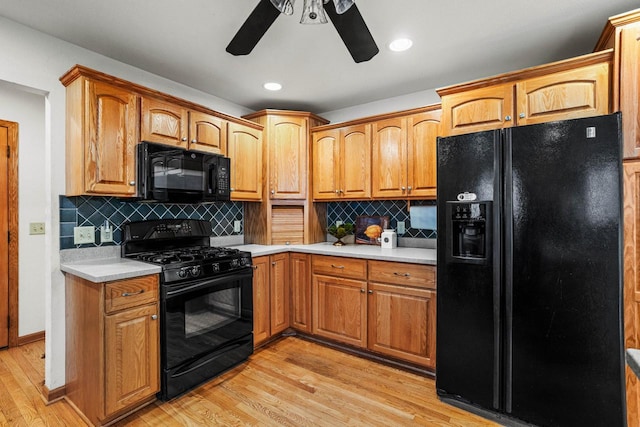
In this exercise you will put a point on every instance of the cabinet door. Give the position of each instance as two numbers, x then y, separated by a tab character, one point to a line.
355	162
132	368
279	281
245	150
288	157
581	92
629	88
163	122
261	300
207	133
109	161
389	158
479	109
300	282
326	164
339	309
422	133
402	322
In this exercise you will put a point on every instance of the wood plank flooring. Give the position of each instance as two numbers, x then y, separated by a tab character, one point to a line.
291	382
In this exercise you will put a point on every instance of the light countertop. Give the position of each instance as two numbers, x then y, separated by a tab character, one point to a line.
115	268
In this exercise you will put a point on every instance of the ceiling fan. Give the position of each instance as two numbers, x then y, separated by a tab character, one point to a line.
344	15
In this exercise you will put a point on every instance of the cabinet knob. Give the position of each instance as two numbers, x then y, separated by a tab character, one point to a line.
273	191
370	291
507	118
273	263
403	188
362	291
255	267
232	189
154	317
132	183
194	141
409	188
522	115
184	138
130	294
337	191
341	191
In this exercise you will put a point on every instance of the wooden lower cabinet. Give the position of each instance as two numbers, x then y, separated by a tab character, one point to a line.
270	296
300	283
112	346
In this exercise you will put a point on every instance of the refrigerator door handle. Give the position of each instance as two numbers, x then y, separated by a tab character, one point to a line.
497	272
508	271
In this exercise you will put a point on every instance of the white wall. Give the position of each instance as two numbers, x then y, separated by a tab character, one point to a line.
36	62
28	110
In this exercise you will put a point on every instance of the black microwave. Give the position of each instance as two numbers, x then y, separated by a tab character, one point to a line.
174	175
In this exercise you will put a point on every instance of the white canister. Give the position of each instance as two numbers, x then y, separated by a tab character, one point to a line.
389	239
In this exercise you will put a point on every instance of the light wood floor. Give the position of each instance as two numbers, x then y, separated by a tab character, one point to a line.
292	382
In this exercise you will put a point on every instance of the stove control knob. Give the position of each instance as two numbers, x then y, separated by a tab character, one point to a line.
215	267
234	263
195	270
244	261
183	272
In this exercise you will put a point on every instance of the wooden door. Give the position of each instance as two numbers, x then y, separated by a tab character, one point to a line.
422	133
163	122
389	158
629	86
478	109
339	309
288	157
300	282
261	301
110	140
326	164
244	148
581	92
355	161
4	240
207	133
402	322
279	286
132	365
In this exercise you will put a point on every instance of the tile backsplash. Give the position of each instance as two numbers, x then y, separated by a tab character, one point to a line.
93	211
395	209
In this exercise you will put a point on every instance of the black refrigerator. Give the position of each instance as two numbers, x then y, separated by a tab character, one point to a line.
529	307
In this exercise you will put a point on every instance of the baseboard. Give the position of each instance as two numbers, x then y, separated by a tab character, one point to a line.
27	339
54	395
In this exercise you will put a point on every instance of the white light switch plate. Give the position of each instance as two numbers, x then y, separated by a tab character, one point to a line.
236	226
400	227
82	235
36	228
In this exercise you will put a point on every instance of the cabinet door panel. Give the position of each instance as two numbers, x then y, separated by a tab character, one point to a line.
207	133
110	157
326	160
402	323
163	123
288	158
423	130
261	300
629	88
355	158
582	92
339	309
389	158
479	109
132	357
245	151
279	281
300	281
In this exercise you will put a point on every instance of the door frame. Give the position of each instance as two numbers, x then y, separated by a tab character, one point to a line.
12	170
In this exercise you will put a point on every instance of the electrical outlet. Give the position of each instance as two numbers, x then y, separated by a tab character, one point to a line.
82	235
236	226
36	228
400	227
339	223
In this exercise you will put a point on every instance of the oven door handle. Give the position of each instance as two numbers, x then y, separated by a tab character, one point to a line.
245	273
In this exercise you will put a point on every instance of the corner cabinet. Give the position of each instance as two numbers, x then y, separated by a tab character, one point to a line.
270	296
577	87
101	134
112	346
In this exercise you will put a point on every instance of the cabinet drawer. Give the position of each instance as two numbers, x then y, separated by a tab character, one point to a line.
127	293
400	273
338	266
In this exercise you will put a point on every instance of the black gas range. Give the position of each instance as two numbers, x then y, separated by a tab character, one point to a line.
206	300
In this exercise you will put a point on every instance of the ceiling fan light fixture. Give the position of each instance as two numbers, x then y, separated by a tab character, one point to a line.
341	5
272	86
284	6
313	13
400	45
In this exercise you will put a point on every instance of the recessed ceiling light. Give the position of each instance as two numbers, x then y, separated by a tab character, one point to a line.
400	45
272	86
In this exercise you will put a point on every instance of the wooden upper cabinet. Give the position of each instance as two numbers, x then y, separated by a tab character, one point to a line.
172	124
342	163
164	123
577	87
207	133
288	138
245	151
100	139
389	158
422	133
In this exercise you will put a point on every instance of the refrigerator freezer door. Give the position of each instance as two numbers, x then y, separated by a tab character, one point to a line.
563	285
468	328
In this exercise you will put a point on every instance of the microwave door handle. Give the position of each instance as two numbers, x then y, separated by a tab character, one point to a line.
212	181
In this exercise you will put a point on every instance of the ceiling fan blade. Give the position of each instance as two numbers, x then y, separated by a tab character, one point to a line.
353	31
253	28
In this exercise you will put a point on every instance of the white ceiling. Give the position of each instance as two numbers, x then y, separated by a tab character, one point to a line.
454	41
